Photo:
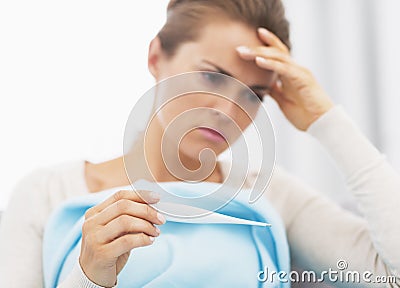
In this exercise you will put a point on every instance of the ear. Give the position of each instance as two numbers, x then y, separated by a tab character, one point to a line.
155	57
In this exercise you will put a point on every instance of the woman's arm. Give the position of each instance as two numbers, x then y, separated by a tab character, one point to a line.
21	236
320	233
371	179
22	227
78	279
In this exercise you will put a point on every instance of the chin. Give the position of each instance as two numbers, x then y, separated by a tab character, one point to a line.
193	149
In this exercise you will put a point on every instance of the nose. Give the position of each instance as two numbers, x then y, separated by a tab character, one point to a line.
226	109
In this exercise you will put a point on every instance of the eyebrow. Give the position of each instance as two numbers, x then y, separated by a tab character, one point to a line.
222	71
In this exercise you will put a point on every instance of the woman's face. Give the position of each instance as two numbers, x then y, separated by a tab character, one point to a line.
214	51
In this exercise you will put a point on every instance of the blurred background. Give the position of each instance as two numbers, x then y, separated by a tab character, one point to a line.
71	71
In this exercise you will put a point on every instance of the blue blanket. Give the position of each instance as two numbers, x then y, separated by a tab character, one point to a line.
185	254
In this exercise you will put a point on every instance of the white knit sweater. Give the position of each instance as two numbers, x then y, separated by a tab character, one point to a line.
319	232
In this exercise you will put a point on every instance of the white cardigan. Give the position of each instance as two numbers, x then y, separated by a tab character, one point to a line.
319	232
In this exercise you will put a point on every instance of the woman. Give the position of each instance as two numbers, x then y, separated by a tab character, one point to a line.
247	39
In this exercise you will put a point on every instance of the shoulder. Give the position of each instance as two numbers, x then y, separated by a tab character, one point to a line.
37	194
44	188
54	177
289	194
41	175
281	180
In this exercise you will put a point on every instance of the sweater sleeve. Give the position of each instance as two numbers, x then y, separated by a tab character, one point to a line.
323	236
78	279
20	236
21	231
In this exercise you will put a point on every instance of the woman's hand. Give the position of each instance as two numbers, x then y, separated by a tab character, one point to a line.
112	229
297	92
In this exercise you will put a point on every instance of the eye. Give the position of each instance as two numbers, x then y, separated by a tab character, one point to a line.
214	78
252	96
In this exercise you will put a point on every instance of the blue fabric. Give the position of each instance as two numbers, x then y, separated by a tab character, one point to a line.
185	254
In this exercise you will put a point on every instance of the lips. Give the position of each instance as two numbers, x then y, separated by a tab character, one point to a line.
212	135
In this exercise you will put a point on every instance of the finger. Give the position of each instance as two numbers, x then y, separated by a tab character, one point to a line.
248	53
136	196
278	95
128	242
283	69
131	208
126	224
271	39
277	87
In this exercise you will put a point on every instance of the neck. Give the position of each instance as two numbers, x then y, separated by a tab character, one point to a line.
154	157
112	173
105	175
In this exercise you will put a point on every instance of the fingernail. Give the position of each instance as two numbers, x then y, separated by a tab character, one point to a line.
261	59
263	30
158	230
161	218
152	238
155	196
243	49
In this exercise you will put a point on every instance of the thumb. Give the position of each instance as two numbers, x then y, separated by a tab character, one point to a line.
276	93
122	260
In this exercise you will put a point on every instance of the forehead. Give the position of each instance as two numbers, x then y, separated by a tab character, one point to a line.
217	43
